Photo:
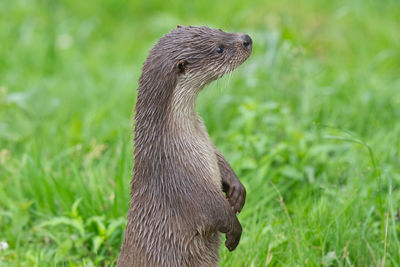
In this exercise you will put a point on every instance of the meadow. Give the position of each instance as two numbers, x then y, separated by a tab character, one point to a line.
310	123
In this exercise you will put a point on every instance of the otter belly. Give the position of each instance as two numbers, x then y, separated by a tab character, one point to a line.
169	231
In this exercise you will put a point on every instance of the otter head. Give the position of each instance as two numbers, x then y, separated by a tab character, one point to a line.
198	55
202	54
184	61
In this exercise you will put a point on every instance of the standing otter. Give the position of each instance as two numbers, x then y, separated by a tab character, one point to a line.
177	206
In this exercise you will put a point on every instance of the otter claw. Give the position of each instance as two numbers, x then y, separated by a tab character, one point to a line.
236	196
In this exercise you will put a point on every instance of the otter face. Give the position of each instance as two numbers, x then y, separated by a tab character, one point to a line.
183	61
207	54
201	55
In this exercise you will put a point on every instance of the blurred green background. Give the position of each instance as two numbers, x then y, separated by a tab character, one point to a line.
310	123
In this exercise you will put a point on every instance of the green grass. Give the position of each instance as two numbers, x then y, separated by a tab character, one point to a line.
310	123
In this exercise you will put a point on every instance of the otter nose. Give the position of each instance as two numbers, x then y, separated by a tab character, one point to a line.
246	41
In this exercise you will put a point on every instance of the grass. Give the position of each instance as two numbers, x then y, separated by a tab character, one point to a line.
310	123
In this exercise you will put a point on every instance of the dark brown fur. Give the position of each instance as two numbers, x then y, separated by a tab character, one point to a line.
178	207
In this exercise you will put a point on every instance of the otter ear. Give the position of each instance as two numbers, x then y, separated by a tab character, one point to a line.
181	66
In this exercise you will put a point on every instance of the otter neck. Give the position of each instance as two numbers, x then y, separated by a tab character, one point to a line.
163	113
182	112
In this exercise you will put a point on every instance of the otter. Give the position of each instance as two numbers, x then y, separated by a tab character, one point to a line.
178	207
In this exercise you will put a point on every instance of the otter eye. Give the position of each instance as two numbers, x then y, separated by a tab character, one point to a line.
220	50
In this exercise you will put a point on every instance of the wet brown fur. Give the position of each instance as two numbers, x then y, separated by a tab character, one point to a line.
178	208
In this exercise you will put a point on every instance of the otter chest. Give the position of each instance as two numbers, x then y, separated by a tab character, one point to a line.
196	152
205	153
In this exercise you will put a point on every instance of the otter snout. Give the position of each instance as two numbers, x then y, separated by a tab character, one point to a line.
246	42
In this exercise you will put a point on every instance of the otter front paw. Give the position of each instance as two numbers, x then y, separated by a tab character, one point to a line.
233	237
236	194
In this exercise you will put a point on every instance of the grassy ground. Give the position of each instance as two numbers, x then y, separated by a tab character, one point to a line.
310	123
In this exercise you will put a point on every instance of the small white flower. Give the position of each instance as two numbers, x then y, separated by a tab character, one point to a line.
3	245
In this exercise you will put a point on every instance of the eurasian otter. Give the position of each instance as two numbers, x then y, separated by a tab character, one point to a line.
178	207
